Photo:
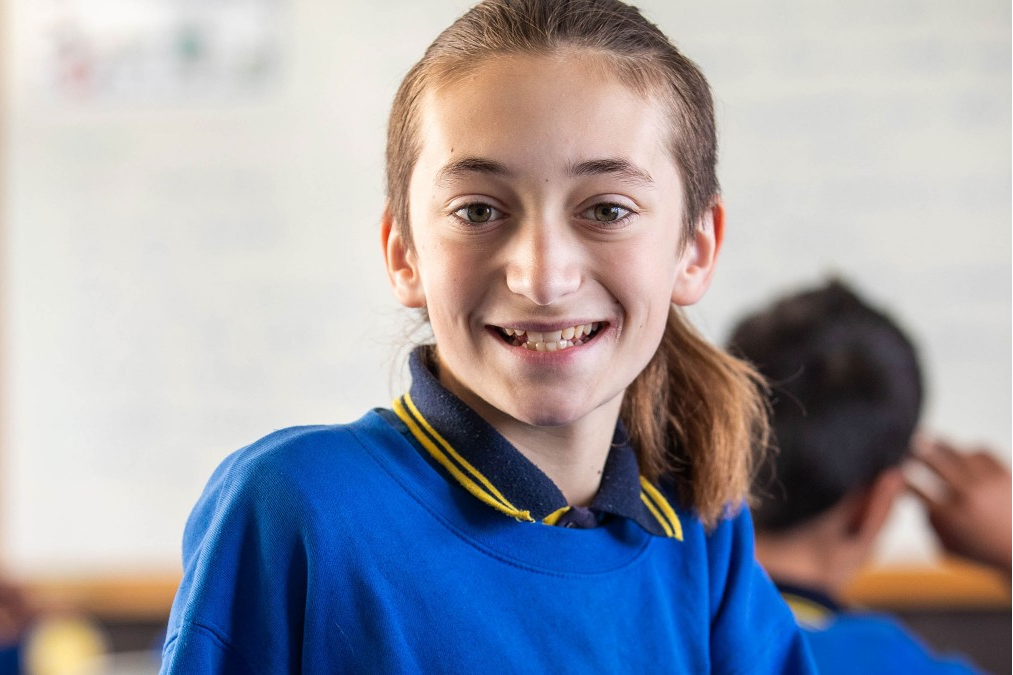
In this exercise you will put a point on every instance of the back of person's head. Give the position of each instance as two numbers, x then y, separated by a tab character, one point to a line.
846	392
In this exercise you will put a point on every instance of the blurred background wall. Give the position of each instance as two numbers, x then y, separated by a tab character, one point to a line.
190	203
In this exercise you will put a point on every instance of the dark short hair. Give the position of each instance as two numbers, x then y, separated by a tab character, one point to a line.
846	393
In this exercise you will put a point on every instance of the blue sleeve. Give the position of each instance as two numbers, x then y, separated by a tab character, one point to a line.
240	604
752	629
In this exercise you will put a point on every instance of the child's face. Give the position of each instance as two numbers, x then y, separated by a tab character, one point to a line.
545	200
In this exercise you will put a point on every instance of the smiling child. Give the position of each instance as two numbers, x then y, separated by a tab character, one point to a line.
561	488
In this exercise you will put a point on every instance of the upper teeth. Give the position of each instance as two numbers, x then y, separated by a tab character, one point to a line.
550	341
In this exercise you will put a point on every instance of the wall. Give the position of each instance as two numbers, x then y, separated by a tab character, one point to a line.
191	256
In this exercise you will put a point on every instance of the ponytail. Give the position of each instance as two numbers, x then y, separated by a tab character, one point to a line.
698	416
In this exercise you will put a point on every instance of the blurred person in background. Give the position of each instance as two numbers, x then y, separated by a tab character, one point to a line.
37	638
14	619
846	395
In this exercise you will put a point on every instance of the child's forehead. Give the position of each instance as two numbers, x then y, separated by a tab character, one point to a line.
543	116
591	66
536	87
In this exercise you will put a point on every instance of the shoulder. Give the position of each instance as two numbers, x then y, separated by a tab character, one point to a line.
316	442
869	628
752	628
730	543
723	551
304	453
273	515
282	480
879	642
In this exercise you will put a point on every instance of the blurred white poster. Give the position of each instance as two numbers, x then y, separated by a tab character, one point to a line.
159	51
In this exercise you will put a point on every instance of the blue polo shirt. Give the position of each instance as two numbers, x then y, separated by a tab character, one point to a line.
418	539
845	642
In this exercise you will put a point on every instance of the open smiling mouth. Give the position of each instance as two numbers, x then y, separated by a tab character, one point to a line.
550	341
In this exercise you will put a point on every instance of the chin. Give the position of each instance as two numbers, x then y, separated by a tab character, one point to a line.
547	420
549	415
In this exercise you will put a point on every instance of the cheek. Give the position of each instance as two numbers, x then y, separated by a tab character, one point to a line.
643	273
645	291
453	292
447	272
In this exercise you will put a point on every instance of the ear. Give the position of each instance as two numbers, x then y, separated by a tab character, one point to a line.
872	508
699	255
402	267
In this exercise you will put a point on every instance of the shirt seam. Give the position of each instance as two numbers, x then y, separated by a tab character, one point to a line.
216	636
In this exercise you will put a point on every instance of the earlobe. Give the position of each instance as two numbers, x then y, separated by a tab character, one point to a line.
699	256
402	268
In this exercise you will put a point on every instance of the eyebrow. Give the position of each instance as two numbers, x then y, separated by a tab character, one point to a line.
621	168
466	165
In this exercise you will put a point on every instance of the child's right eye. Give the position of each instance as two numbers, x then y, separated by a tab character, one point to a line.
478	213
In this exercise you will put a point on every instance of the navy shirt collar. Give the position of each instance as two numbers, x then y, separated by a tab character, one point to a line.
474	454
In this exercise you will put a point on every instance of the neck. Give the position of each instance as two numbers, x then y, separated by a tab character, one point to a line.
814	555
573	456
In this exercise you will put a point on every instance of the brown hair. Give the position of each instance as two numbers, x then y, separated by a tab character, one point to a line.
694	413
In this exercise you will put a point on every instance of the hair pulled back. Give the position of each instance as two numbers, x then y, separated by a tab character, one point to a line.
695	414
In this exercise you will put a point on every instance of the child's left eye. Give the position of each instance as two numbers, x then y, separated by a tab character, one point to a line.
606	213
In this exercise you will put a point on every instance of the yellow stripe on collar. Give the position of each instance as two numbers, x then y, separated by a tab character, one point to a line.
554	517
808	614
475	483
657	516
660	509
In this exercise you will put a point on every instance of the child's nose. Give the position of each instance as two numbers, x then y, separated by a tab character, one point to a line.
544	263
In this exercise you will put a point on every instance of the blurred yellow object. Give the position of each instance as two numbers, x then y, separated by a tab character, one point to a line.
66	644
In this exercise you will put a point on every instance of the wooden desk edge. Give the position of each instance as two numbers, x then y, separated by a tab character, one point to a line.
140	597
948	584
